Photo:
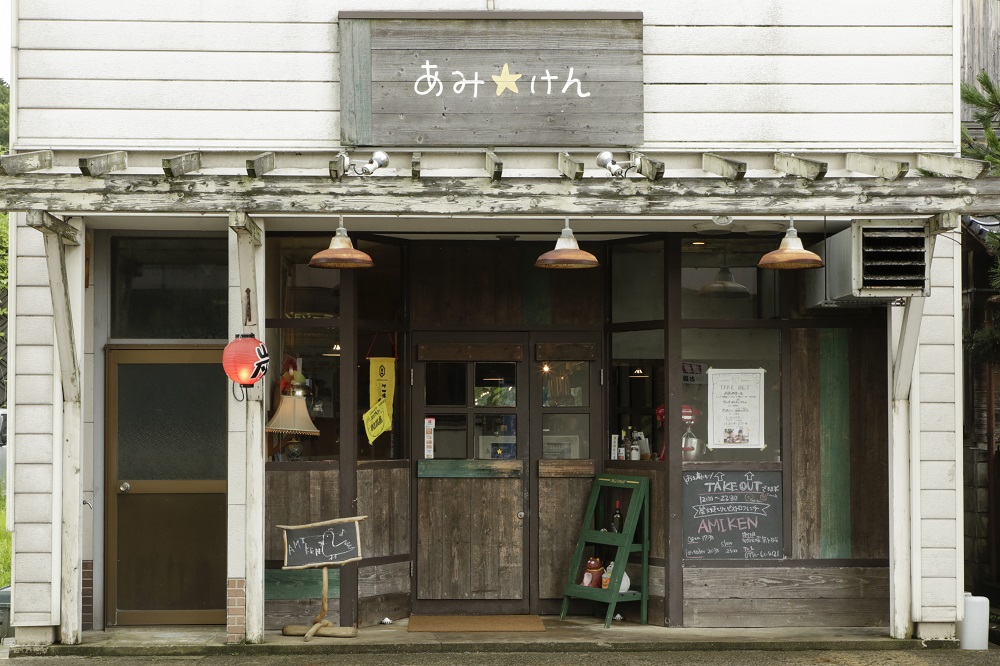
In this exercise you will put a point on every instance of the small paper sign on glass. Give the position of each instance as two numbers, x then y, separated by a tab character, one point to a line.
735	409
376	420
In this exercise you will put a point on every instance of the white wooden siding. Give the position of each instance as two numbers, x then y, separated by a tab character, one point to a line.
759	74
31	430
938	467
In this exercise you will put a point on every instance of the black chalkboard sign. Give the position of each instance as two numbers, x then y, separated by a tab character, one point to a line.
732	515
326	544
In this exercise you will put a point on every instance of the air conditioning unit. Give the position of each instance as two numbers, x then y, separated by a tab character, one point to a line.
871	263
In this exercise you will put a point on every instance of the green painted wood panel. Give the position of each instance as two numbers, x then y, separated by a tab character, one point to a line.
835	443
300	584
470	469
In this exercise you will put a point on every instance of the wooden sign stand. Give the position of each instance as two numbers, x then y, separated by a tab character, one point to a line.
321	626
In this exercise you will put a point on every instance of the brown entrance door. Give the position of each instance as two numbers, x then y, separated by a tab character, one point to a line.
472	460
166	486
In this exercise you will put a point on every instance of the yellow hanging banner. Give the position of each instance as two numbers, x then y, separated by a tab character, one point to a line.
376	421
383	384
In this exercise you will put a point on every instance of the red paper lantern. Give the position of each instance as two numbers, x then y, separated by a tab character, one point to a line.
245	360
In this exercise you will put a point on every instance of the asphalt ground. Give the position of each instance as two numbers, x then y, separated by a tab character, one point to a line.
921	657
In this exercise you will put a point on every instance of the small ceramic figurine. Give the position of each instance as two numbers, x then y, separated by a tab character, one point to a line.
594	572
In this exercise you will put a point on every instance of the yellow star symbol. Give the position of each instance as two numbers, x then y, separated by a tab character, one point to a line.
506	80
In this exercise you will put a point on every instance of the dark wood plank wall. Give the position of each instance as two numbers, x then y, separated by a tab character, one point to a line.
496	285
563	491
863	493
384	496
786	597
297	495
469	538
869	445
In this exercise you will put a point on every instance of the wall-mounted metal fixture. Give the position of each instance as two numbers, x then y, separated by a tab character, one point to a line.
606	160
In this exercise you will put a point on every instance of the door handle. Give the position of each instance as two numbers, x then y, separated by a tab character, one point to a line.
124	487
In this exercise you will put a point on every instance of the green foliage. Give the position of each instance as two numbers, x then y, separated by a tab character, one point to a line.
985	104
5	543
4	116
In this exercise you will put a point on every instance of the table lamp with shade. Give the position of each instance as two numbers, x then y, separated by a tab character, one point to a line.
292	418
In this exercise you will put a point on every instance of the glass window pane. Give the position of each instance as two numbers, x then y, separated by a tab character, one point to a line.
637	385
171	421
721	350
303	292
450	435
637	282
309	367
565	436
445	385
377	358
169	288
496	384
566	384
496	436
719	277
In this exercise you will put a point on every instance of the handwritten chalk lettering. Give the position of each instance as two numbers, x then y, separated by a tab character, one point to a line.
727	509
740	511
724	524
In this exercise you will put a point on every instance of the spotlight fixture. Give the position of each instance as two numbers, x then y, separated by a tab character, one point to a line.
790	254
606	160
379	160
567	253
341	253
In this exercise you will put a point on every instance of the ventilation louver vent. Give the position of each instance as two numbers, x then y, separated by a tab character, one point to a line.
893	258
871	263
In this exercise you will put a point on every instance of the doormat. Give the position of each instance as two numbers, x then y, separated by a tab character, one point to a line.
445	623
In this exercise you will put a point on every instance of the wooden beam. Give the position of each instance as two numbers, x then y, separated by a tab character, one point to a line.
650	168
570	167
258	165
905	352
958	167
494	165
181	164
415	165
723	166
11	165
43	221
799	166
339	165
242	223
98	165
944	222
880	167
400	194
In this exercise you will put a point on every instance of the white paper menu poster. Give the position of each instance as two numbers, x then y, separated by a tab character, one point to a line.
735	409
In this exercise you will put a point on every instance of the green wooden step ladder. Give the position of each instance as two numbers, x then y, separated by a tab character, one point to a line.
623	544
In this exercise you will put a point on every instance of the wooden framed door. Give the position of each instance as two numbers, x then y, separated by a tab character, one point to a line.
165	486
472	474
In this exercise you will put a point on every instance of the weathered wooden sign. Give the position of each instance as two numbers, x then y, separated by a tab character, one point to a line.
733	515
324	544
491	79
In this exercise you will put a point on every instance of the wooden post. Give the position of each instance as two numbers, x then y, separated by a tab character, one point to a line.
57	235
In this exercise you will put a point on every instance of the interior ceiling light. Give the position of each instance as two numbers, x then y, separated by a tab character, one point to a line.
341	253
724	285
790	254
567	253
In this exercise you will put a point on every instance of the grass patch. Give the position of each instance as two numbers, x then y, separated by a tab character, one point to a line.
5	543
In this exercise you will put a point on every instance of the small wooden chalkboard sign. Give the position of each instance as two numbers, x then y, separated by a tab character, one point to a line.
329	543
